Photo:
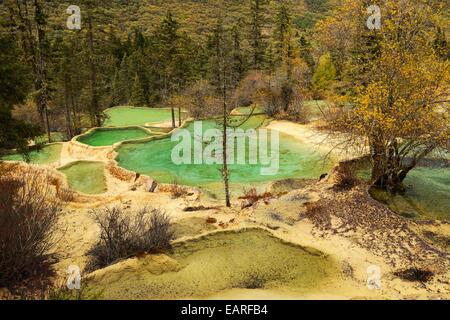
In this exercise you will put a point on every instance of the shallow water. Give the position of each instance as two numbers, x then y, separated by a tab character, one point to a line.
47	155
427	193
86	177
130	116
108	137
251	259
154	159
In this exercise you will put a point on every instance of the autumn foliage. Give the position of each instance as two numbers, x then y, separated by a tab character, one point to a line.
396	81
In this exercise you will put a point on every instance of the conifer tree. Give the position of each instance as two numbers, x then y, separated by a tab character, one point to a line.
124	82
167	42
256	39
324	75
238	57
138	98
15	86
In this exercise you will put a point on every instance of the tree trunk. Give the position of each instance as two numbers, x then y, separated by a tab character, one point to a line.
94	107
67	107
225	172
172	108
166	97
388	167
40	68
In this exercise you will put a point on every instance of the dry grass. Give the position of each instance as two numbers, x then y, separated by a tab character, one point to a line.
251	197
177	191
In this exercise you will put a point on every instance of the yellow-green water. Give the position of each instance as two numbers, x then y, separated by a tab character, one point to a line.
426	195
131	116
107	137
48	154
86	177
251	259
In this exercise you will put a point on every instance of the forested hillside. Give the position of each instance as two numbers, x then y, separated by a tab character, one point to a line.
143	52
353	93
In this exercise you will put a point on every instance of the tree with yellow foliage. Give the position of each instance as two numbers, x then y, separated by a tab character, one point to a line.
398	83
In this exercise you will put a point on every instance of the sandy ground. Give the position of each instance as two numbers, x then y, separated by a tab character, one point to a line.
309	134
350	248
354	231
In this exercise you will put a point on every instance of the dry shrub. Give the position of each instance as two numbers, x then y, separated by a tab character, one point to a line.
119	173
65	195
29	212
415	274
251	197
123	235
345	178
247	92
177	191
200	100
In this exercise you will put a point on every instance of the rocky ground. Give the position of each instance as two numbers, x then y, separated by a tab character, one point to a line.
347	225
335	216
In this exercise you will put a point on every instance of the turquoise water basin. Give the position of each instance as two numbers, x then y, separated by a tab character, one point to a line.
131	116
153	158
106	137
86	177
47	155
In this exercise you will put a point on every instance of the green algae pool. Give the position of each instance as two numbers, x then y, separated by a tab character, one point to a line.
47	155
426	195
86	177
133	116
102	137
249	259
153	158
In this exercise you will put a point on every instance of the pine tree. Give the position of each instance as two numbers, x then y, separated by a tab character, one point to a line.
138	98
238	63
137	63
221	70
324	75
31	20
256	38
124	82
115	99
282	34
14	75
175	56
94	103
284	52
305	52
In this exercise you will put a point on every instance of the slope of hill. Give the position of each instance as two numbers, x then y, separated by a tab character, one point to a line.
195	16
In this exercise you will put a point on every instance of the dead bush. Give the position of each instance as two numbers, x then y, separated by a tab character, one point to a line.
251	197
345	178
177	191
124	234
415	274
28	215
65	195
